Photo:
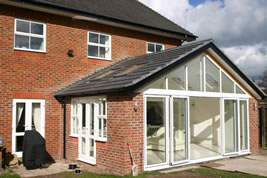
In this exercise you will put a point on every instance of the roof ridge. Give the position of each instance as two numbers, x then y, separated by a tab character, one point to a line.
166	18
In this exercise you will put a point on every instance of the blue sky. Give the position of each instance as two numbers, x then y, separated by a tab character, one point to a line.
238	27
197	2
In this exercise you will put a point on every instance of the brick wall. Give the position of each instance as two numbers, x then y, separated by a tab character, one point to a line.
34	75
253	126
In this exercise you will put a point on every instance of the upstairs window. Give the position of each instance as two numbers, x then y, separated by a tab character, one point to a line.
154	47
99	46
29	36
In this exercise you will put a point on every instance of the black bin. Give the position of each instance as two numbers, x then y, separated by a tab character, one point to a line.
34	150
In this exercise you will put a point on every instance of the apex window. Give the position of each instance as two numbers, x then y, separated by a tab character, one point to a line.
99	45
29	36
154	47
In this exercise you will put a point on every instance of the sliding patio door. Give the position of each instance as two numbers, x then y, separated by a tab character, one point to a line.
179	129
230	126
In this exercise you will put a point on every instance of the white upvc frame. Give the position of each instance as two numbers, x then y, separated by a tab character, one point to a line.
73	125
247	116
187	130
28	119
167	151
155	44
30	35
100	45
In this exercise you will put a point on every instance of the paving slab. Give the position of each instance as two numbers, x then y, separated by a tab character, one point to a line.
256	165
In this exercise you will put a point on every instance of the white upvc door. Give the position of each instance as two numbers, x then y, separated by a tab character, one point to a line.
179	130
87	135
27	114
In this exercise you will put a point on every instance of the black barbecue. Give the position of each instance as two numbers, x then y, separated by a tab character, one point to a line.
34	151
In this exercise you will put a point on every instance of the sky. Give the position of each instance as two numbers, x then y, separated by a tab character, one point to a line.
238	27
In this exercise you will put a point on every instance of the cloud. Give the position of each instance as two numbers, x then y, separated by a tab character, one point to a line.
238	27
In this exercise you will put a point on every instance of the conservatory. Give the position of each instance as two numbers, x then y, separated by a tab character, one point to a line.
194	113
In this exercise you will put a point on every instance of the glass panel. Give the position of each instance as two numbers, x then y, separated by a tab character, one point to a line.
19	143
37	28
92	119
212	77
83	115
159	48
176	79
230	125
238	90
22	41
104	107
92	51
243	126
156	131
179	129
83	145
194	75
20	117
104	39
23	26
77	125
205	128
103	52
100	127
227	84
150	47
37	43
92	147
36	117
105	128
93	37
159	84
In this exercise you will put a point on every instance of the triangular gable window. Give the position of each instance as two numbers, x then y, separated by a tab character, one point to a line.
227	84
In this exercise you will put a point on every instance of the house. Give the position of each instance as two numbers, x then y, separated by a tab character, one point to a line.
92	79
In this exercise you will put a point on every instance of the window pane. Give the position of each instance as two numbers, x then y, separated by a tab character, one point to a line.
103	52
92	51
243	125
156	131
37	28
194	75
227	84
93	38
92	147
92	119
19	143
212	77
100	127
105	128
159	84
104	107
20	117
150	47
238	90
176	79
37	43
23	26
36	116
83	145
104	39
159	48
83	115
22	41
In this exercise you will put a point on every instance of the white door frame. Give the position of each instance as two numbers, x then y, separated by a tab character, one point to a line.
28	120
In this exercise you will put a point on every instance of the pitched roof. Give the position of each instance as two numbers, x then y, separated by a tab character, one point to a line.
128	11
133	72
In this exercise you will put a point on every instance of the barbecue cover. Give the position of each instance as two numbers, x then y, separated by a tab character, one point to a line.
34	151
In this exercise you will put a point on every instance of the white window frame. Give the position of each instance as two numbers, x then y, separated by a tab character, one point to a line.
30	35
148	52
74	117
99	45
100	118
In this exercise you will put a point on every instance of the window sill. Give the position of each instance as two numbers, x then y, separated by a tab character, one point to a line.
76	136
101	139
29	50
98	58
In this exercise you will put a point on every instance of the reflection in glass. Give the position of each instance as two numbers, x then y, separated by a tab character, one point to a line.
176	79
23	26
22	41
159	84
195	77
212	77
159	48
179	129
93	37
230	130
150	47
20	117
156	131
243	125
227	84
37	43
37	29
92	51
104	39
